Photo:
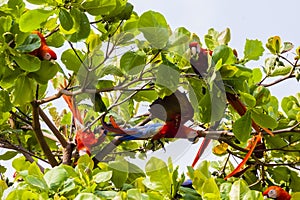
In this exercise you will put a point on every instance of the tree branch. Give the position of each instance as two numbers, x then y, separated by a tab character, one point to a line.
39	134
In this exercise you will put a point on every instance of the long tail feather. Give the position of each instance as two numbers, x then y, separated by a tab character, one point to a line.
201	150
240	166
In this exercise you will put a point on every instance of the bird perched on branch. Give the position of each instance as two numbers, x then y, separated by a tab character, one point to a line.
276	192
43	52
199	63
174	110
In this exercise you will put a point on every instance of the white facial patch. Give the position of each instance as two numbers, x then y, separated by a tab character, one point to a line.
272	194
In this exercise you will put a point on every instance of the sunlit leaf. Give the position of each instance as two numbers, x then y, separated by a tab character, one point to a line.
253	50
35	17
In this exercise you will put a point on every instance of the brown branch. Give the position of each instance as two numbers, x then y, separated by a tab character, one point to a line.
39	134
52	127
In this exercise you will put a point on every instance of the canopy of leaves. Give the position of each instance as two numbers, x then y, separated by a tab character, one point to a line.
112	60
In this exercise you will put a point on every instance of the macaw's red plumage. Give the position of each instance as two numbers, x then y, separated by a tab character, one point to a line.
276	192
85	140
43	52
199	63
174	110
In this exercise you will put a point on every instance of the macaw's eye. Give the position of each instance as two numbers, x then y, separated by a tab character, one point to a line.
272	194
47	56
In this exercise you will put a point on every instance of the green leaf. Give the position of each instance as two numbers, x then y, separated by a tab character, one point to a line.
84	196
31	43
6	23
36	182
28	63
253	195
287	46
20	164
211	39
23	90
262	95
132	63
66	20
274	44
149	96
32	19
289	105
8	154
83	24
3	186
224	37
210	189
47	71
167	79
248	99
120	172
56	40
5	103
238	189
154	28
242	127
253	50
37	2
103	176
263	120
99	105
281	70
99	7
34	170
70	59
225	53
55	177
158	173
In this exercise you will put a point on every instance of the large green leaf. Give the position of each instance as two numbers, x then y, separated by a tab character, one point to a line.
66	20
263	119
120	172
132	63
32	19
167	78
5	104
6	23
31	43
242	127
55	177
70	59
23	90
99	7
239	189
101	177
47	71
84	196
9	154
154	28
159	175
224	53
28	63
83	24
253	50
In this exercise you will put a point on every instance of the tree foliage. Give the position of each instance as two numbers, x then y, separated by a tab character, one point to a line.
111	60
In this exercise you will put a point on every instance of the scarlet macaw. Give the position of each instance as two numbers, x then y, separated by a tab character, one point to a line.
198	60
276	192
43	52
175	110
84	139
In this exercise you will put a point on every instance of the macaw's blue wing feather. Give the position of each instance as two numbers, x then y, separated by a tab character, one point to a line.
140	133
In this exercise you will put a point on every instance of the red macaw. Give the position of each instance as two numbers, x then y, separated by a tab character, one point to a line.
276	192
198	60
43	52
175	110
84	139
